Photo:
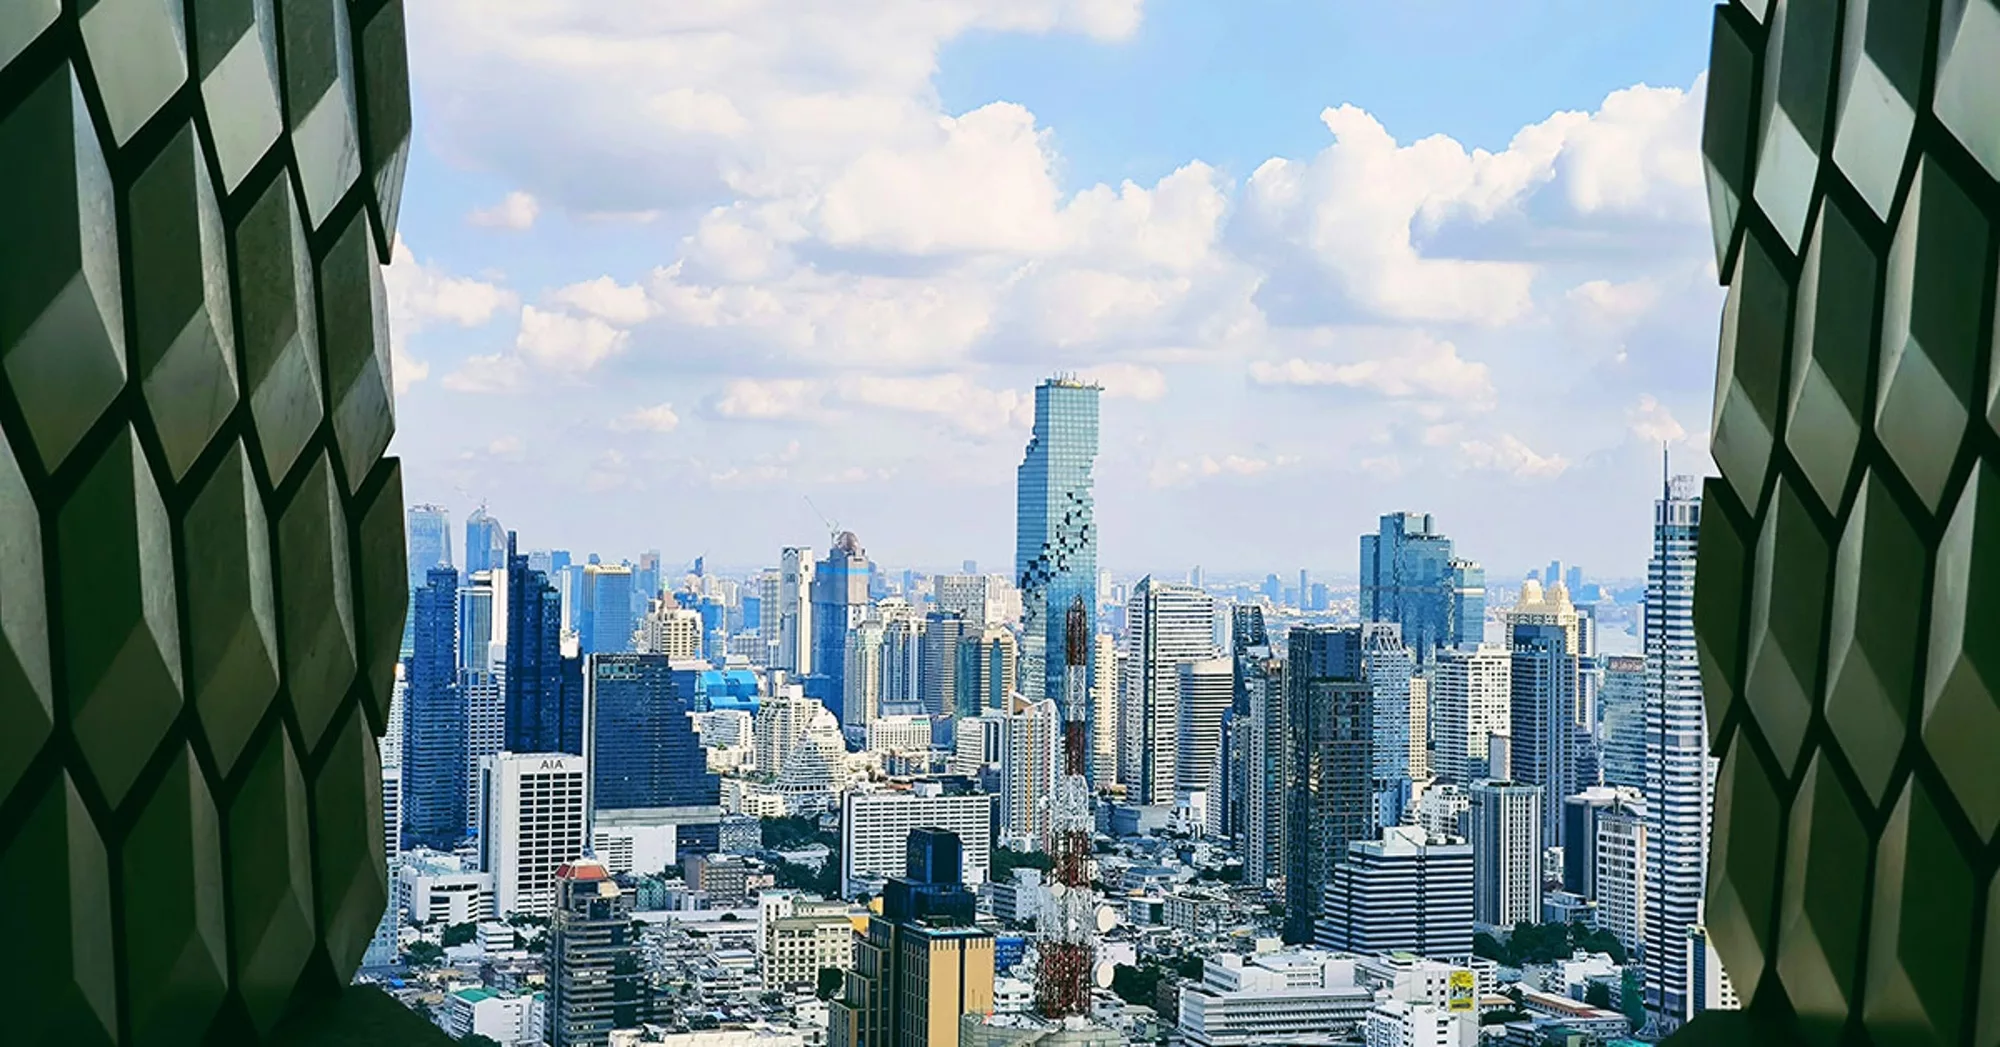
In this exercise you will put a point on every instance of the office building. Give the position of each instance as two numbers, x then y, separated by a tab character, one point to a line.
1401	1023
721	880
1404	892
1266	768
1505	826
596	982
937	663
1680	774
485	728
802	937
899	734
861	662
1166	625
671	630
1055	537
979	744
485	543
639	741
1391	674
1707	987
531	821
428	528
1203	695
1622	722
434	724
921	966
1550	744
1031	758
1330	735
1470	695
606	622
839	594
782	721
540	714
1105	675
986	671
974	597
1303	996
787	613
1622	864
436	888
1582	814
875	826
1410	577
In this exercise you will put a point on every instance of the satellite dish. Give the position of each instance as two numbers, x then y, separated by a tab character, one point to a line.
1057	888
1107	918
1102	974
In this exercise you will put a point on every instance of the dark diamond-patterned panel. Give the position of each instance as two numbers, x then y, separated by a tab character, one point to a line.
1871	666
196	197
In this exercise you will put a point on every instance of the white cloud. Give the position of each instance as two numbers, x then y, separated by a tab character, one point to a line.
422	296
1506	454
784	398
608	300
659	418
561	342
490	373
1177	473
1124	381
1649	420
517	211
1421	367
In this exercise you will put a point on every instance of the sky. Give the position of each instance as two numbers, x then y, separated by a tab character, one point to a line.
686	276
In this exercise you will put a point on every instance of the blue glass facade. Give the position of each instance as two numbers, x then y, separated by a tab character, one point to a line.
486	543
605	621
839	597
542	715
644	751
1055	533
434	727
1409	576
429	532
706	689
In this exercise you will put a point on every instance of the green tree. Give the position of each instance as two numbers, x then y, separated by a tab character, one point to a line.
1007	859
1632	998
460	933
423	954
1136	985
1598	996
830	981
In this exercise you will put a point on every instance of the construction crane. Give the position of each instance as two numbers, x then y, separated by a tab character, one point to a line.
832	525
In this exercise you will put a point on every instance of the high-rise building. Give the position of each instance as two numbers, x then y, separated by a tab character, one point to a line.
937	662
485	542
1505	822
902	654
970	595
531	821
800	937
639	742
1409	576
596	982
1405	892
861	689
1055	538
671	630
606	622
1620	875
921	965
1330	735
839	594
429	531
434	724
538	718
1680	774
874	827
1104	677
1031	759
787	613
1469	696
1391	665
1622	721
1266	768
1166	626
782	720
1551	745
1204	693
986	668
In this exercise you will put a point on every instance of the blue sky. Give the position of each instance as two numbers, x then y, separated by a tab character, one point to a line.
669	268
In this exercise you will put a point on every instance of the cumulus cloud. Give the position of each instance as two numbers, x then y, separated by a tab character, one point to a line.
1649	420
1506	454
1422	367
1180	472
487	373
517	211
659	418
608	300
767	400
422	296
562	342
1127	381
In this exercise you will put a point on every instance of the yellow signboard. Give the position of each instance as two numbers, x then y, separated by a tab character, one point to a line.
1463	994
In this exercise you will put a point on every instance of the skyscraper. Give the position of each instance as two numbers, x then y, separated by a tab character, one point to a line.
429	532
538	719
1055	544
1622	721
596	983
606	621
1330	802
531	820
839	593
485	542
1550	744
640	745
1265	768
1409	576
986	668
937	662
1030	761
1390	668
434	728
1104	711
921	965
1506	831
1405	892
787	613
1680	774
1203	695
1469	705
1166	625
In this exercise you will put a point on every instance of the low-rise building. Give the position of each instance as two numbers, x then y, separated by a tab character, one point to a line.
1301	997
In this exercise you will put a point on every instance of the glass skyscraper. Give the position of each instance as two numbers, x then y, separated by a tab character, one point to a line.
542	714
485	542
1055	543
1329	751
643	751
429	534
1409	576
434	728
1679	773
839	598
